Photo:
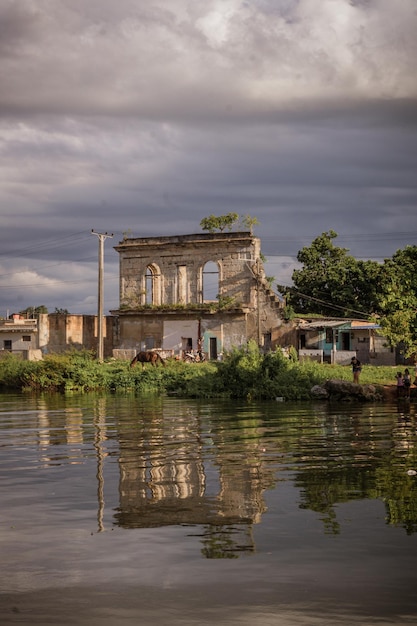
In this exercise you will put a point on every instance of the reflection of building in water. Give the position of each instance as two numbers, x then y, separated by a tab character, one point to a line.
170	476
52	434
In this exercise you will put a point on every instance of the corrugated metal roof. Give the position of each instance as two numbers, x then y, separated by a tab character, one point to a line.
323	324
347	325
362	324
366	327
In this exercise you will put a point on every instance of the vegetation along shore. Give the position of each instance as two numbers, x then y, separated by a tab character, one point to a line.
243	373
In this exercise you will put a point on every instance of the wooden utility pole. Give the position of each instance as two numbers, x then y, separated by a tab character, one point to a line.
255	270
258	302
101	238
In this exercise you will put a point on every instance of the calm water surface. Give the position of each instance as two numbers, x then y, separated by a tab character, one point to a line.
131	510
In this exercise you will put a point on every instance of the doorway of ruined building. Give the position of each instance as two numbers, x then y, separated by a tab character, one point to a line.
213	349
187	345
267	342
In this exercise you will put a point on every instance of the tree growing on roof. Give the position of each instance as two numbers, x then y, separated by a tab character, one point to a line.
249	222
219	222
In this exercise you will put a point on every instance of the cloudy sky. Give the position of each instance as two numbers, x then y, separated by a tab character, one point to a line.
144	116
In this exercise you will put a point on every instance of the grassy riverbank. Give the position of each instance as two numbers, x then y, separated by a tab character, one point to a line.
244	373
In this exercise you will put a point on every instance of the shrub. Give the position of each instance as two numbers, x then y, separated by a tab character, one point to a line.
244	373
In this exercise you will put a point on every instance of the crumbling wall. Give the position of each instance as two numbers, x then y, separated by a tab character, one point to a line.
172	268
165	303
59	333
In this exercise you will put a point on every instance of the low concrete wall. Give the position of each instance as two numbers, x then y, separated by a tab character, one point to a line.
382	358
126	354
342	357
311	355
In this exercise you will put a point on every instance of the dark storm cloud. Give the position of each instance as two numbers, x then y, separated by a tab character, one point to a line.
146	117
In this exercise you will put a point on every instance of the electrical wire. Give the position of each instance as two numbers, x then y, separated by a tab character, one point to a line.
48	244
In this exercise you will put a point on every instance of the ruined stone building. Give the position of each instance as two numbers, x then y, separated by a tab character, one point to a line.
191	292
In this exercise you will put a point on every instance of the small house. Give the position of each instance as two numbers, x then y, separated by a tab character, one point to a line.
335	340
19	336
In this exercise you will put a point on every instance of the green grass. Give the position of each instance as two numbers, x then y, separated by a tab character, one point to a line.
244	373
371	374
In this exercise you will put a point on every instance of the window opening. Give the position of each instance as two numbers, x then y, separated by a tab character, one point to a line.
149	285
210	281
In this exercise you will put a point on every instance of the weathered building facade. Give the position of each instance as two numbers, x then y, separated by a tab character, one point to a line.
338	340
192	292
20	337
56	333
59	332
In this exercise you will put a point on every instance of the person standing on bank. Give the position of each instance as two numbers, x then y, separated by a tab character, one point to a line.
356	369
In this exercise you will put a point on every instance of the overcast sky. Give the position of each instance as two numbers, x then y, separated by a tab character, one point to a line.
144	116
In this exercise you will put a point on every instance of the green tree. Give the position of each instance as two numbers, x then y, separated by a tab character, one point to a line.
219	222
397	302
249	222
34	311
332	282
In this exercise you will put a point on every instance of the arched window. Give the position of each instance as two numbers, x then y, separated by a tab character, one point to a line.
152	285
149	285
210	281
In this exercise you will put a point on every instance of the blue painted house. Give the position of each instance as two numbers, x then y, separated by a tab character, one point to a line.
336	340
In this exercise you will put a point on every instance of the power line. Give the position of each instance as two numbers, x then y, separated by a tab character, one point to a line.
371	236
41	267
326	303
48	244
57	282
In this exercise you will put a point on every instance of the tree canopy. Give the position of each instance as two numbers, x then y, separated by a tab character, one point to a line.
214	223
333	282
219	222
34	311
398	299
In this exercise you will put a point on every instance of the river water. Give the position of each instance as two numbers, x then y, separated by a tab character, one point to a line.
125	510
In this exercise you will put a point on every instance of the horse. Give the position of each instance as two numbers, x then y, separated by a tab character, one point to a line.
147	357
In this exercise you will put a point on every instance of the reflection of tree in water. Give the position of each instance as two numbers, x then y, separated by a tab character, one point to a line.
227	542
399	493
355	462
188	466
395	486
323	502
